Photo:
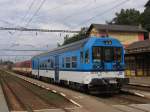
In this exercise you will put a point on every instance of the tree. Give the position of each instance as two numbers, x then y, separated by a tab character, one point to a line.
127	17
145	18
81	35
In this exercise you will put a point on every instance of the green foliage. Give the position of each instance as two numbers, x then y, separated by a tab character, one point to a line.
77	37
145	18
127	17
5	62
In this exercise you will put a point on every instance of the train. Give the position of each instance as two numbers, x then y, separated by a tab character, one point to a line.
91	64
23	67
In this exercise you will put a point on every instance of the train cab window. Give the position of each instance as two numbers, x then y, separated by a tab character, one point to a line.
68	62
81	57
87	60
108	54
74	62
97	54
117	54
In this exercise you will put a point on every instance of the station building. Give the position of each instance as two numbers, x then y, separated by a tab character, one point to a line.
138	59
125	33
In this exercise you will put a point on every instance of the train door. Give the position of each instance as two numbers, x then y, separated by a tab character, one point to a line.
56	68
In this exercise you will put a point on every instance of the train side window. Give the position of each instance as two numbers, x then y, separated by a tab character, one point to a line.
74	62
63	61
81	56
67	62
33	64
48	60
52	63
45	66
87	60
41	65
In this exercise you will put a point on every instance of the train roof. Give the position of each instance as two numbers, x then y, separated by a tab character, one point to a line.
70	47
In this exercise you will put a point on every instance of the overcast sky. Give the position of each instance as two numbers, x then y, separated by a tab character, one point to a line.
53	14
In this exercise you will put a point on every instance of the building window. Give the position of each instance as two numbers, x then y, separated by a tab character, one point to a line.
81	56
74	62
87	60
67	62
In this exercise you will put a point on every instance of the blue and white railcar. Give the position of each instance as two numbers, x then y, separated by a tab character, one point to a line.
92	63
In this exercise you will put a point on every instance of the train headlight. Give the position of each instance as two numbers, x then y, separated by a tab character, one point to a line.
97	66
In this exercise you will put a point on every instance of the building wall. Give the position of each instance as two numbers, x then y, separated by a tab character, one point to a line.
126	38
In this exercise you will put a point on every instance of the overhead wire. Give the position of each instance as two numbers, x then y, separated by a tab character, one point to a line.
35	13
87	10
55	8
58	7
28	10
104	12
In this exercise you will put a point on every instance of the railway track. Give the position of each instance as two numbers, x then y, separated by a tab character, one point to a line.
23	96
138	87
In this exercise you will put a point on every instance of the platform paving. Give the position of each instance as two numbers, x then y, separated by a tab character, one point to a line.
140	93
3	104
140	80
133	108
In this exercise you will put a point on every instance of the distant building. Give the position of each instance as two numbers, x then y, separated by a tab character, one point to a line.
125	33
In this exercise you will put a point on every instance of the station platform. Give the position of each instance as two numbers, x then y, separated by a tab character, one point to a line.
140	80
3	104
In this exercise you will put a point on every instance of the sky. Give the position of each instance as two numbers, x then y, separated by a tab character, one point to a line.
52	14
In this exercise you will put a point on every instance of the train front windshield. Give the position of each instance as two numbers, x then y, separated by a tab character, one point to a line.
107	54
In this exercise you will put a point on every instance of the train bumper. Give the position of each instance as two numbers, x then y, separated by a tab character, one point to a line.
109	85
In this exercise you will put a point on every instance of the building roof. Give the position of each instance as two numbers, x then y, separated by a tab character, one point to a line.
137	47
122	28
147	4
